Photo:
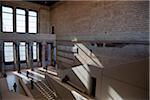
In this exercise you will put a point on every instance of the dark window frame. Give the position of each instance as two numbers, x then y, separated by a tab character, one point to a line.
2	18
25	20
36	21
9	62
23	61
34	60
14	19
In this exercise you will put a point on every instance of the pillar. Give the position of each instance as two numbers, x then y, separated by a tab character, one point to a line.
38	54
2	57
16	56
30	55
49	54
43	54
27	55
54	54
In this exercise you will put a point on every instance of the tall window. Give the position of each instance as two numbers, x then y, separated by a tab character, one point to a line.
7	19
32	24
8	51
34	50
20	20
22	51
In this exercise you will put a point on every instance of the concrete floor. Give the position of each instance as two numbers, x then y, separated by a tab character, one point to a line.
12	78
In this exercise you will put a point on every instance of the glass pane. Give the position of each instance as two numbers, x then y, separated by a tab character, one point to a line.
8	51
34	51
7	9
7	19
32	13
8	24
22	51
32	22
20	20
20	11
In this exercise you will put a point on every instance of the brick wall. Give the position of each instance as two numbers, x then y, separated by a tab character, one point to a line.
93	17
125	72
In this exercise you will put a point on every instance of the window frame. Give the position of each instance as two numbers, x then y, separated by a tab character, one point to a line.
22	61
10	62
36	21
2	18
34	60
16	20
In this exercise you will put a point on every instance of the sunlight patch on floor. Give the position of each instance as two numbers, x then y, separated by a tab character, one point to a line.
21	76
48	71
35	73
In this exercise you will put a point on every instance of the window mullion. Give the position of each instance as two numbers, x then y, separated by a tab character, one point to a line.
14	21
27	30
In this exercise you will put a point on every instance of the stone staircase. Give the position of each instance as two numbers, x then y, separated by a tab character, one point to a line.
45	90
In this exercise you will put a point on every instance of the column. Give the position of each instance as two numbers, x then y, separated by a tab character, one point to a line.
16	56
49	54
30	55
38	54
43	54
27	55
2	57
54	54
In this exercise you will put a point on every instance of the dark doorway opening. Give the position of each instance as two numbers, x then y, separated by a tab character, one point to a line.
93	87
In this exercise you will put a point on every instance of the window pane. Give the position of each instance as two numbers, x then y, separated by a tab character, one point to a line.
7	19
20	11
22	51
32	13
34	50
7	9
32	22
20	20
8	51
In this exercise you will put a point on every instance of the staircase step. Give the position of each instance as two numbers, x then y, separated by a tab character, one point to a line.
46	91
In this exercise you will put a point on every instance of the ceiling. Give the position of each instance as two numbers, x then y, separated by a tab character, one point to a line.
45	3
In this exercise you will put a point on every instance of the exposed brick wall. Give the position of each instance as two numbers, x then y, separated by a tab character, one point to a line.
82	18
109	20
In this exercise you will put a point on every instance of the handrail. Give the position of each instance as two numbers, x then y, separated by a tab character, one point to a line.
51	92
81	80
58	96
83	64
44	91
87	55
26	90
76	87
35	84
